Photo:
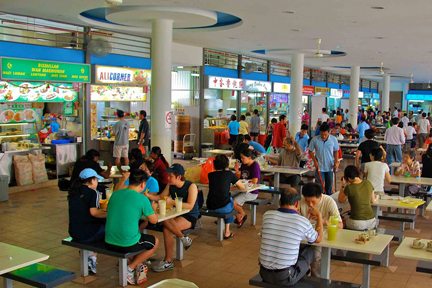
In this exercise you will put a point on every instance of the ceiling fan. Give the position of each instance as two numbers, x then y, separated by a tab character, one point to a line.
318	54
381	71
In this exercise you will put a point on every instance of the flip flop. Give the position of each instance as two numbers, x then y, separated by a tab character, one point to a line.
230	236
241	222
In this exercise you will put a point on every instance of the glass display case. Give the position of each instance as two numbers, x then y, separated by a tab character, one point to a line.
19	137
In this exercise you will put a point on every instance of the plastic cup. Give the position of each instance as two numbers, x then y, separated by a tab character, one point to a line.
162	207
108	193
334	220
179	204
331	232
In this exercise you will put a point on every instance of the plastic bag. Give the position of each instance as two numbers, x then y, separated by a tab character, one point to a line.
206	169
193	174
141	148
225	137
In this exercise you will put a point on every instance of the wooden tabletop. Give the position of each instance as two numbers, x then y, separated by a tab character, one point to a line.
405	251
345	240
285	170
219	151
399	204
13	257
411	180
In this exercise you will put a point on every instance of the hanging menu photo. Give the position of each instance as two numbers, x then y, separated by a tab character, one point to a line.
118	93
37	92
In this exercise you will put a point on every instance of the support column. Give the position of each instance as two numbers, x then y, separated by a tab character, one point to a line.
160	102
404	100
385	105
354	89
295	101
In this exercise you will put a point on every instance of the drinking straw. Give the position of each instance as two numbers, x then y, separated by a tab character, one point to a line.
176	196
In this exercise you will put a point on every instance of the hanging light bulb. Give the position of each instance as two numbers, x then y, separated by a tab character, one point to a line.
412	80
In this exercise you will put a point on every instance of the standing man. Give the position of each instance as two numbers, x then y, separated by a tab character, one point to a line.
282	261
324	116
279	133
365	148
121	142
326	158
143	133
395	113
302	137
289	156
423	130
395	138
419	116
255	122
361	128
405	120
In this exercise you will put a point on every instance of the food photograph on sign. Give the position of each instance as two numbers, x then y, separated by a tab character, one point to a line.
36	92
117	93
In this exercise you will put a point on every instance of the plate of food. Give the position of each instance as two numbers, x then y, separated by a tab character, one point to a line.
24	88
11	95
44	89
51	96
19	116
69	96
6	116
30	115
361	241
34	95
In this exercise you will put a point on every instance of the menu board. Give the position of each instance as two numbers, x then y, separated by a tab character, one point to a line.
117	93
120	75
37	92
278	98
11	116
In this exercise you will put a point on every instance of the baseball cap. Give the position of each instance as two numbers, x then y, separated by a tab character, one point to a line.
88	173
176	168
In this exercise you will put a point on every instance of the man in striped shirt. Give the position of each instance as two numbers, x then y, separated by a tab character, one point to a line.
281	259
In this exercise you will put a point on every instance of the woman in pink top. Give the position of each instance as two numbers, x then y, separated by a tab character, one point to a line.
305	117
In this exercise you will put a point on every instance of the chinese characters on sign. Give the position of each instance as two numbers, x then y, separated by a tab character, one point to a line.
225	83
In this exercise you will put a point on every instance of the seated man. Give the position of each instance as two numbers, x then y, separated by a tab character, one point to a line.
256	146
313	197
281	259
125	208
290	156
336	130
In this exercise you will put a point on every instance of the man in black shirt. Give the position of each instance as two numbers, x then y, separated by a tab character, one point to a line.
365	148
143	133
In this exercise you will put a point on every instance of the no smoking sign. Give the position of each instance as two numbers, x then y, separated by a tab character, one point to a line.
168	120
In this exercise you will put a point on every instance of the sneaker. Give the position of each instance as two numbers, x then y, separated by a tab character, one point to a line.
141	274
163	266
131	276
187	242
92	264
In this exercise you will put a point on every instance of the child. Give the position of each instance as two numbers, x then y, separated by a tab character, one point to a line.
376	171
412	167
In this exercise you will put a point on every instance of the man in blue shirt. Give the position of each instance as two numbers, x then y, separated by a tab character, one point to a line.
361	128
325	158
302	137
256	146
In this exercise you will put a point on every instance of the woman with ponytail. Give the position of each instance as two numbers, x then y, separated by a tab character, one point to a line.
161	165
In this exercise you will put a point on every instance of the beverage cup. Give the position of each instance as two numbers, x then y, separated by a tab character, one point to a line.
313	222
417	242
331	232
179	204
429	245
372	232
334	220
108	193
162	207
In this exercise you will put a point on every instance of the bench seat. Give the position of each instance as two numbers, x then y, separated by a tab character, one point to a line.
424	267
305	282
39	275
221	217
360	258
253	205
398	217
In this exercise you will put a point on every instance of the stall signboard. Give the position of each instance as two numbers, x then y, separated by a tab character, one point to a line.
37	92
375	95
36	70
278	98
224	83
11	116
117	93
336	92
321	91
257	86
347	93
360	94
120	75
281	87
308	90
368	95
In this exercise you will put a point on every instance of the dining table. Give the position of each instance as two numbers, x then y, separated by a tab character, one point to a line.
219	151
406	251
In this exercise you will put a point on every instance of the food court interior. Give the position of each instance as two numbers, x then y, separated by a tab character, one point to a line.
68	68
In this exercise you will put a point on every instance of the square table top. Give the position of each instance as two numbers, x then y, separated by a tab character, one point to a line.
345	240
399	204
429	207
348	140
13	257
234	189
285	169
219	151
171	213
405	251
411	180
345	145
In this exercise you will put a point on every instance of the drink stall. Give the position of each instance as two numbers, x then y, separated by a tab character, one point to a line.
112	89
42	97
279	100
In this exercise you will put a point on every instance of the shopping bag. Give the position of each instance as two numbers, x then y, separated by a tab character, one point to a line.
206	169
193	174
141	148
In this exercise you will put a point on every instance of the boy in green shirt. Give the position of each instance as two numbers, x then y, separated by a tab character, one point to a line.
125	208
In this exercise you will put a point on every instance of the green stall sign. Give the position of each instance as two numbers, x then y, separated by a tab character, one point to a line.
24	69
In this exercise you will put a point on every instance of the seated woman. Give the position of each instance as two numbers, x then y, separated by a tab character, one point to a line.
86	220
152	185
219	198
249	170
360	195
161	165
177	186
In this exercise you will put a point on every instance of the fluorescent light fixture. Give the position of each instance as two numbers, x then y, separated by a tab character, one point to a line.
180	67
14	124
174	72
195	74
15	136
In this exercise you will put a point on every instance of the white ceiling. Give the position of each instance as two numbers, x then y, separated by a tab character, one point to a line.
352	25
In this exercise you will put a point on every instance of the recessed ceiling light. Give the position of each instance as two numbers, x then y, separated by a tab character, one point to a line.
180	67
378	7
379	37
296	30
231	38
378	52
288	12
338	47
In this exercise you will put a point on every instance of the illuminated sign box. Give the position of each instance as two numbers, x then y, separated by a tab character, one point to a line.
120	75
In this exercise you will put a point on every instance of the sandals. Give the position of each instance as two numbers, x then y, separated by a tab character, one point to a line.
230	236
241	222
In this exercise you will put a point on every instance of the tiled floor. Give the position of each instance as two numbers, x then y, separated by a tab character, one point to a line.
38	220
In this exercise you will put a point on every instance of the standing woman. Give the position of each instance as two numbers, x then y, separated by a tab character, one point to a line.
86	220
305	118
160	165
249	170
233	129
361	196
